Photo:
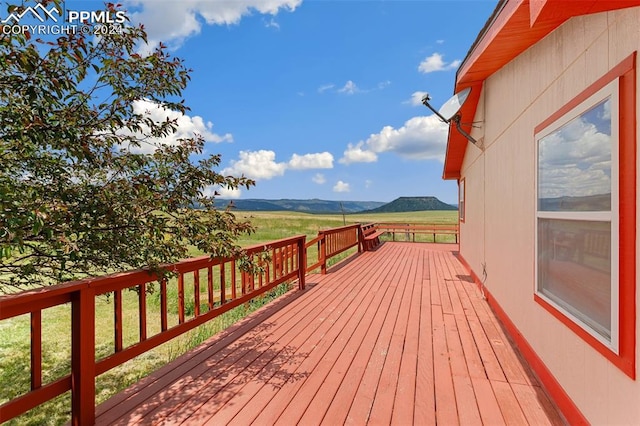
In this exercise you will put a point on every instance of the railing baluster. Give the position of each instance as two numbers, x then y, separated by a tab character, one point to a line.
302	263
196	292
294	258
210	286
181	298
117	321
142	311
163	304
274	263
267	271
36	349
285	260
233	279
223	285
323	254
291	259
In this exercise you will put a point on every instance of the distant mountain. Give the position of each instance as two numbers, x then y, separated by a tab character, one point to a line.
307	206
596	202
412	204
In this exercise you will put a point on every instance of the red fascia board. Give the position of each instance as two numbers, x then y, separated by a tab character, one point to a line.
467	112
518	26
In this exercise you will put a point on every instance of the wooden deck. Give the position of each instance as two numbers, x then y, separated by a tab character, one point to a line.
399	335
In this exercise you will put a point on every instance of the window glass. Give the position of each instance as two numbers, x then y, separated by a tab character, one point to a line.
574	269
461	200
574	163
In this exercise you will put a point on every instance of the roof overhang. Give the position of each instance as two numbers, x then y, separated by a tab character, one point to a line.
514	26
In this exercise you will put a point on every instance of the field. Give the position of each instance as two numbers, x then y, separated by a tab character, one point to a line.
14	333
276	225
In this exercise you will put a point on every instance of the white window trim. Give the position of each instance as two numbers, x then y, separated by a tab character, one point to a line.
462	203
610	90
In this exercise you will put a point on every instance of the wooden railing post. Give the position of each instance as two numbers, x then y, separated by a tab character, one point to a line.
83	386
36	350
360	239
323	252
302	262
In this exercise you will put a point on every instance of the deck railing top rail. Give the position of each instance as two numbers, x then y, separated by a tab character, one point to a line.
21	303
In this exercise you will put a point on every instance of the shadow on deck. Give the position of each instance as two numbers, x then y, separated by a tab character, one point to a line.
400	335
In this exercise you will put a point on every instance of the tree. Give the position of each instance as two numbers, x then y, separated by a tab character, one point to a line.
81	193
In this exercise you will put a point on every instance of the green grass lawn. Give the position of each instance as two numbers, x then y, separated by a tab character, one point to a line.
14	333
276	225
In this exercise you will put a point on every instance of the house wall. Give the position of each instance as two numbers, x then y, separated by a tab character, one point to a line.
500	215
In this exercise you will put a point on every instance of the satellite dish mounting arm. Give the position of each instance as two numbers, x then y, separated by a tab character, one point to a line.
456	119
450	111
425	101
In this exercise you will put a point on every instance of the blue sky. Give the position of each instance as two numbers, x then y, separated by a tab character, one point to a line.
320	99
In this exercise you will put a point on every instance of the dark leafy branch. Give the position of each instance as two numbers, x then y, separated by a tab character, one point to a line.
81	193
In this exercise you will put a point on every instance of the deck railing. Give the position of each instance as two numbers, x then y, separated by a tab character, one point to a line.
201	289
224	286
411	229
337	240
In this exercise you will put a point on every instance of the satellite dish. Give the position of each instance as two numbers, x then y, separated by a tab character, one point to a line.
453	105
449	111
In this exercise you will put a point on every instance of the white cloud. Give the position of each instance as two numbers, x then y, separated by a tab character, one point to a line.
421	138
172	22
321	160
262	164
416	98
319	179
341	186
349	88
368	183
326	87
186	127
440	41
575	160
222	192
356	154
259	165
606	113
230	193
272	23
435	63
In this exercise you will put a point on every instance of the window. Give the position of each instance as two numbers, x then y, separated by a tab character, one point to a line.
585	184
461	196
576	169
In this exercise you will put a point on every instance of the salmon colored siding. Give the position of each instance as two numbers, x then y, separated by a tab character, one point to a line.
567	55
